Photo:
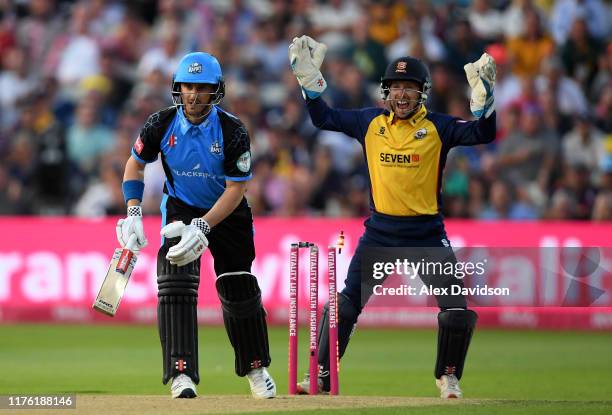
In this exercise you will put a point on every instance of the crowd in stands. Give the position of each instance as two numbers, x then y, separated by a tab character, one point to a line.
79	78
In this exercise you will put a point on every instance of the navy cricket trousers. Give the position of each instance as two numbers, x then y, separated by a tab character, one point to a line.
395	232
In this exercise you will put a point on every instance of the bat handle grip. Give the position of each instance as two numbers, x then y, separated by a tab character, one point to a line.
132	243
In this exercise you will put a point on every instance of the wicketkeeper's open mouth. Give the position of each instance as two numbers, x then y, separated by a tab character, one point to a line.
403	105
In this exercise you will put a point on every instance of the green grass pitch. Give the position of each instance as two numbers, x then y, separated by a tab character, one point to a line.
532	372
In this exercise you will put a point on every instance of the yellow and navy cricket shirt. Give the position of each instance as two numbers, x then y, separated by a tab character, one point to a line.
405	158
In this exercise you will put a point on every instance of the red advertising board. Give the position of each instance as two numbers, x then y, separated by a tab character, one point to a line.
51	269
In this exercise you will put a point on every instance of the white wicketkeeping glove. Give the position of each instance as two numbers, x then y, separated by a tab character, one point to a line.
192	244
131	225
481	77
306	56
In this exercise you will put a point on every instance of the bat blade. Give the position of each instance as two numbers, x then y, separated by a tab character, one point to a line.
115	282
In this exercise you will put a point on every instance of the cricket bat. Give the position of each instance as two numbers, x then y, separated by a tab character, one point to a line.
117	277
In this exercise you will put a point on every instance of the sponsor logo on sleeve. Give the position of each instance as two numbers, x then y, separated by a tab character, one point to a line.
244	162
138	146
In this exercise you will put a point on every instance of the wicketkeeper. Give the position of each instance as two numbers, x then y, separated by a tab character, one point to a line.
205	153
404	198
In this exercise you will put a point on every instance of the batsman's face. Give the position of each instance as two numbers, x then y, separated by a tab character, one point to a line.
404	97
196	98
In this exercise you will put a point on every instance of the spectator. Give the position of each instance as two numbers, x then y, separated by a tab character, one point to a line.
580	54
528	157
530	48
269	51
38	31
584	145
414	35
565	12
569	96
463	47
602	210
16	82
366	53
580	194
507	85
79	56
485	20
167	55
603	110
514	21
87	138
78	77
385	17
334	15
443	85
603	78
501	205
103	197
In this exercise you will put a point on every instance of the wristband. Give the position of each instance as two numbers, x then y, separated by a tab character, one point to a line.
133	189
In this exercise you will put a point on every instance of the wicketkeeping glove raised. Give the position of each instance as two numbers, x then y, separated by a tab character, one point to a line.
306	56
481	77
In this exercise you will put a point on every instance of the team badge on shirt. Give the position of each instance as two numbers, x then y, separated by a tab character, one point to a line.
244	162
420	134
215	148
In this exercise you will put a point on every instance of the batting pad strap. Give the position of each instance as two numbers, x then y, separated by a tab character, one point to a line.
133	189
245	320
239	308
173	279
455	330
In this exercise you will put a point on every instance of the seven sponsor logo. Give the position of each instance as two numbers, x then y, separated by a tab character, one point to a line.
390	158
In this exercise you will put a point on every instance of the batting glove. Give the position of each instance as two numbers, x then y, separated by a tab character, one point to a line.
193	243
306	56
131	226
481	77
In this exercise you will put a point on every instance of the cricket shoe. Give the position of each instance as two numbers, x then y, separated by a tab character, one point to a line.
449	387
303	387
183	387
262	384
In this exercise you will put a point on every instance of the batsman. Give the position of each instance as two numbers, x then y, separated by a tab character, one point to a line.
205	153
405	148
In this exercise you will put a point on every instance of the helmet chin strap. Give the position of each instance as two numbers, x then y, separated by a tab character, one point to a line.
178	102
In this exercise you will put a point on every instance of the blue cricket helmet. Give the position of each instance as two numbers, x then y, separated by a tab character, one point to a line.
198	68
